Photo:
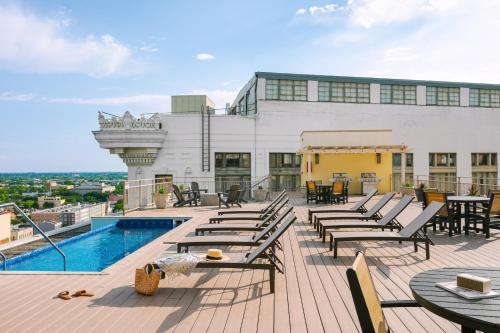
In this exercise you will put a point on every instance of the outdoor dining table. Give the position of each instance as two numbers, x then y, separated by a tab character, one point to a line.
467	201
323	190
482	314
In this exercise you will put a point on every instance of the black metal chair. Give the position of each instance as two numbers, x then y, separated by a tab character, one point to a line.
195	189
369	307
181	200
231	198
312	191
446	216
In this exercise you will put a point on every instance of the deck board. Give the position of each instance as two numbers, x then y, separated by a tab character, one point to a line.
312	296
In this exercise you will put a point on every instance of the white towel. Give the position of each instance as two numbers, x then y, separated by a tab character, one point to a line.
176	264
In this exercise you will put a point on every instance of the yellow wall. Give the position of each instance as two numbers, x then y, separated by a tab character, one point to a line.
353	164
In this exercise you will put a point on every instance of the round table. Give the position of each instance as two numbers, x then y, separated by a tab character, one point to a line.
323	190
483	314
467	200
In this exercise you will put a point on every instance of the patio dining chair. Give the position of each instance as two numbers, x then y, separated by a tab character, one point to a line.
446	215
337	193
312	191
369	307
490	219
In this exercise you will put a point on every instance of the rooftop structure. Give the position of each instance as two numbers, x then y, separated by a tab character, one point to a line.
260	135
93	187
53	201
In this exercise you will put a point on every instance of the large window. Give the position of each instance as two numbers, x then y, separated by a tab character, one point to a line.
232	160
446	96
343	92
442	159
483	159
286	90
396	160
284	169
398	94
484	97
284	160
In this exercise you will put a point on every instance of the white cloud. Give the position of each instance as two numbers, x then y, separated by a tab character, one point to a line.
29	43
301	11
10	96
315	10
368	13
455	45
205	56
148	49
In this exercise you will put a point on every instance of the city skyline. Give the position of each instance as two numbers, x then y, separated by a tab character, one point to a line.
64	61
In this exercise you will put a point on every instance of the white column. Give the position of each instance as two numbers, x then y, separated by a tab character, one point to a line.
403	169
309	166
421	95
464	96
312	91
374	93
261	89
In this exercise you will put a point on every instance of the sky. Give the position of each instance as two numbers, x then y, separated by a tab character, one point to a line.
63	61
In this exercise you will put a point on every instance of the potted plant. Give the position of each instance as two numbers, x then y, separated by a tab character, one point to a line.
260	194
161	198
473	190
407	189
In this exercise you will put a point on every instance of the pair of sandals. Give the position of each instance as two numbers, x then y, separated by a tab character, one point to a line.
66	296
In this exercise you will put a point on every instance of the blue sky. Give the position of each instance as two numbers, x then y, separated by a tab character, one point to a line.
62	61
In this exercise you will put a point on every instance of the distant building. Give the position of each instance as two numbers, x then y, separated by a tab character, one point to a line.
69	214
47	226
56	201
20	232
114	198
93	187
4	227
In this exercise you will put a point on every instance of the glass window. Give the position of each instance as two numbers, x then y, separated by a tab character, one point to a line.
495	98
272	89
398	94
350	92
324	91
452	159
385	94
493	159
442	96
396	160
410	94
482	159
232	160
454	96
442	160
245	160
287	160
286	90
363	93
473	160
431	95
300	90
484	97
242	106
297	160
219	160
432	159
409	160
337	91
473	97
272	160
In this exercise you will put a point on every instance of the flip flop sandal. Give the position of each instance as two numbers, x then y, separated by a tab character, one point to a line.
83	293
64	295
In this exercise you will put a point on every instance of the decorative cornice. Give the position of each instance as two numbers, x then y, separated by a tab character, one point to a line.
127	121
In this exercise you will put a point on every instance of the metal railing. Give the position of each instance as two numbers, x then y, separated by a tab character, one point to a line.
458	185
40	231
4	261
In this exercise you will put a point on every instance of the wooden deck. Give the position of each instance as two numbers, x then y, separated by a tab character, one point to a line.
312	295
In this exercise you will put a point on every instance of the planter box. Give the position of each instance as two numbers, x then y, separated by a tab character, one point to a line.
407	191
160	200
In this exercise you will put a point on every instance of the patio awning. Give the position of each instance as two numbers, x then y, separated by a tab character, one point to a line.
349	141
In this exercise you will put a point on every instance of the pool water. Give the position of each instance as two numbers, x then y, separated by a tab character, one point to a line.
92	251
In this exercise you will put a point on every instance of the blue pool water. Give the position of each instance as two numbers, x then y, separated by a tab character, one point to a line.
94	250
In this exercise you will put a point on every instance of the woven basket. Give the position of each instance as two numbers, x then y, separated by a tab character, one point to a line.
147	279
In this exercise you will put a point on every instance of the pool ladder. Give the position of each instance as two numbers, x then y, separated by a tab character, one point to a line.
26	218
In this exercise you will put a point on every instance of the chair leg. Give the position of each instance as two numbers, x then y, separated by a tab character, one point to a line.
335	247
427	250
324	234
272	276
415	246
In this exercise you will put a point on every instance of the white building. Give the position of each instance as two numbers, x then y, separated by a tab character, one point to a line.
449	130
93	187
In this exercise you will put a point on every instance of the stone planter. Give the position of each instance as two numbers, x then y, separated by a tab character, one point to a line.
407	190
260	195
160	200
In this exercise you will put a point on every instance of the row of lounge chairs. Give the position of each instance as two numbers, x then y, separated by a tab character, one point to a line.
414	232
269	224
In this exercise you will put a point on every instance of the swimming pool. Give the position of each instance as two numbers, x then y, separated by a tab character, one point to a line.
95	250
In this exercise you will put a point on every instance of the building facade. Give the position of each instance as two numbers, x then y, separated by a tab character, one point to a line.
70	214
448	131
93	187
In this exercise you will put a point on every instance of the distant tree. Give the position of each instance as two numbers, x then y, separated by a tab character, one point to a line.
118	206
